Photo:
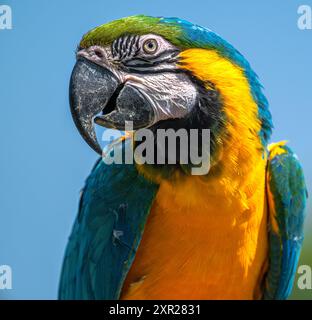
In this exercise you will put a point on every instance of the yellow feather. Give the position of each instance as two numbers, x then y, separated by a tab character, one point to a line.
206	237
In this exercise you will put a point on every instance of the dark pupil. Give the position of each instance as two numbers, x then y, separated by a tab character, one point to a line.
151	45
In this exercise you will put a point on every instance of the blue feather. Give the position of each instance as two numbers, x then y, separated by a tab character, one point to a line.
112	213
287	186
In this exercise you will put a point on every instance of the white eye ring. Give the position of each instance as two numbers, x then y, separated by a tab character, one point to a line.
150	46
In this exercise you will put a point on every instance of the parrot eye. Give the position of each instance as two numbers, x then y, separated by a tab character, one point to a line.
150	46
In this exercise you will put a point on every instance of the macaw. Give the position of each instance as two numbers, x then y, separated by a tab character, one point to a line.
151	231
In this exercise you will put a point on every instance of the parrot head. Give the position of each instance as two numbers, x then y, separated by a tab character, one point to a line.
167	73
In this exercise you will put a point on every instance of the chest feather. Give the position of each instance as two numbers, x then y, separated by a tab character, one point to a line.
199	243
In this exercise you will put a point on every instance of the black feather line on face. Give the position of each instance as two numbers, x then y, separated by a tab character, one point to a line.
206	114
138	63
125	48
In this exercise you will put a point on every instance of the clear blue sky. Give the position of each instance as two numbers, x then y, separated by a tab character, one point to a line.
44	161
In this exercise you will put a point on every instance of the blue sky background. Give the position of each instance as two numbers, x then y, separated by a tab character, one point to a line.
43	160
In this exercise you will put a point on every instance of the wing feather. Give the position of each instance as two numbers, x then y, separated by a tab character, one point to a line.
287	196
113	209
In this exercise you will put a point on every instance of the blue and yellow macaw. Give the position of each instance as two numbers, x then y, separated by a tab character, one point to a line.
148	231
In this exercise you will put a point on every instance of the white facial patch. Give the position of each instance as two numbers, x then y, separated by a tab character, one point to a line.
171	94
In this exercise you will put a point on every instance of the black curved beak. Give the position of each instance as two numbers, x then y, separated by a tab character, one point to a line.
93	90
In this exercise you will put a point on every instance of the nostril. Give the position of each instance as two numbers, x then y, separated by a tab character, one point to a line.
98	53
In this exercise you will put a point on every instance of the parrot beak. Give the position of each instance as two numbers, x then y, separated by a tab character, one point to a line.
93	90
